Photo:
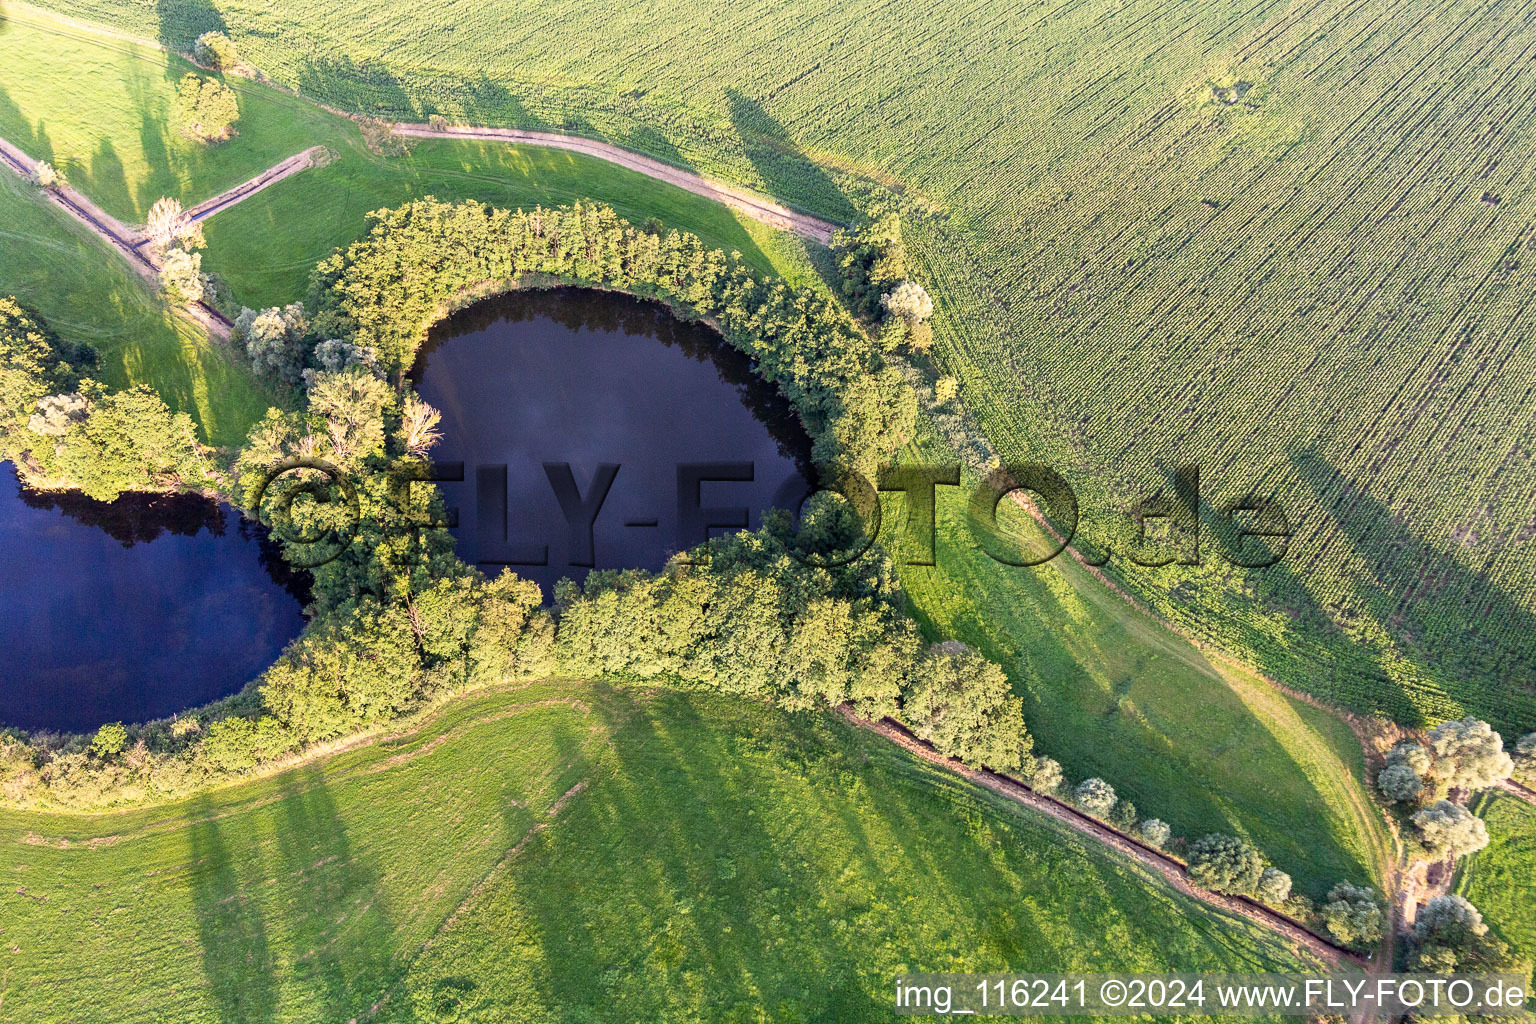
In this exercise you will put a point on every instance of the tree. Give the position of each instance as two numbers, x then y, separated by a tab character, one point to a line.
1095	797
946	389
963	704
214	50
352	404
1525	759
1225	864
129	441
1449	936
1468	755
181	275
274	341
419	425
44	176
110	740
1274	887
1155	832
1399	782
168	223
1449	830
206	109
57	413
909	301
1354	916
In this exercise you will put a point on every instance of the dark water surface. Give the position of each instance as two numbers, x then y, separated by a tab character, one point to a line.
133	609
577	378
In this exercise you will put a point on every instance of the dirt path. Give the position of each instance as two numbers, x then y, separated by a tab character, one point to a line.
1170	869
130	244
311	157
1518	791
759	209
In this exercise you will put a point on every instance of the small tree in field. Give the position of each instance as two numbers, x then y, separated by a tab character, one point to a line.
1399	782
1525	759
214	50
1047	776
1468	755
1225	864
1449	936
1274	887
168	224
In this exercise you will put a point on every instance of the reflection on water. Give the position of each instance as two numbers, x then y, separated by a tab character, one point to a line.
532	382
132	609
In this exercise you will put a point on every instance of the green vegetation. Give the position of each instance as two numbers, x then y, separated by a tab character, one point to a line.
1110	693
206	109
89	294
1155	236
564	850
1501	880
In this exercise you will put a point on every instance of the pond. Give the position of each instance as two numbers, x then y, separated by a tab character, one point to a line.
596	430
132	609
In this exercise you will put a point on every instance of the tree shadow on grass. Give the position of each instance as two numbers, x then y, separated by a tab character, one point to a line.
345	960
182	21
789	175
236	957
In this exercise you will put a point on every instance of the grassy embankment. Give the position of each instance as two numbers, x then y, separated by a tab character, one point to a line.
570	851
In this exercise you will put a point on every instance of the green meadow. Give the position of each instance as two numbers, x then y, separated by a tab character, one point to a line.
569	851
1501	880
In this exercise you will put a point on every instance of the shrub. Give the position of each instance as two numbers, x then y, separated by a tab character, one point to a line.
1274	887
1414	755
1399	782
1124	815
214	50
1354	916
1468	755
1449	830
437	122
110	740
1225	864
206	109
1155	832
1095	797
44	176
946	389
57	413
1047	777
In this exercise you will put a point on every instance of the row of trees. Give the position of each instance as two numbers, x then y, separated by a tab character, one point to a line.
384	291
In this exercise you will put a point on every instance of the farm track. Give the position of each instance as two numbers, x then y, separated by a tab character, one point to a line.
1169	868
763	210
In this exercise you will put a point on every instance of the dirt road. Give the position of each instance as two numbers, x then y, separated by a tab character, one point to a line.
1170	869
759	209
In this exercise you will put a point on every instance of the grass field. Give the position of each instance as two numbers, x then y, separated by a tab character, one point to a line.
1109	692
88	293
266	247
571	852
1501	880
1292	245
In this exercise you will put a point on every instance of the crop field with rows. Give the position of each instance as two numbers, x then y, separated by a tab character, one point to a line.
1292	245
